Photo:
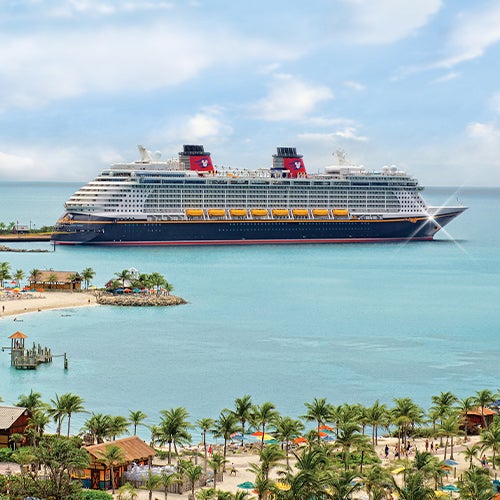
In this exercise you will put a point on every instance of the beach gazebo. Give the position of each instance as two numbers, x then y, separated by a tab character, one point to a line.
474	418
16	346
98	476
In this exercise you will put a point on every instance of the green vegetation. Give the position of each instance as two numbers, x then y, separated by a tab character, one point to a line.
337	460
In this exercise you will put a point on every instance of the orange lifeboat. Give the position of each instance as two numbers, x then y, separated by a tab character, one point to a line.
216	212
194	212
238	212
340	212
280	212
320	212
259	212
300	212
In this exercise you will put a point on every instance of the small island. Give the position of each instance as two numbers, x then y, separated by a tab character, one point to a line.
131	288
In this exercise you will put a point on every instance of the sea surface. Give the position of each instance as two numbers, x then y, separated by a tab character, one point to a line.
283	323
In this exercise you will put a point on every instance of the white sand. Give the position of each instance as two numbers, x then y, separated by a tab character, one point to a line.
44	301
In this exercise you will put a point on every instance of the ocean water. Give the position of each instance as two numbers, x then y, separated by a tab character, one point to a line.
283	323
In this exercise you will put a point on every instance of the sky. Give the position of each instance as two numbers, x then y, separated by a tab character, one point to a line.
412	83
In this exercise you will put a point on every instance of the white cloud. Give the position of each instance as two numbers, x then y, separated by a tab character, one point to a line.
290	98
206	126
452	75
72	8
39	68
327	137
386	21
354	85
489	132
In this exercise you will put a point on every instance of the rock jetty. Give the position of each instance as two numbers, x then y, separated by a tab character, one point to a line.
4	248
139	300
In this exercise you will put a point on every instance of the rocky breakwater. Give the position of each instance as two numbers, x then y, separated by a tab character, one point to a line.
139	300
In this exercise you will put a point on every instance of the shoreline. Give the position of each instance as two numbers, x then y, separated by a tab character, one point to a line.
46	301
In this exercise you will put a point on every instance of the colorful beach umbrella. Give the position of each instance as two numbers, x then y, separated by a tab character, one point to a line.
450	487
398	470
451	462
282	486
260	434
247	485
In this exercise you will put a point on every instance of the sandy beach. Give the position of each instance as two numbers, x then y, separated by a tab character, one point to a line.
44	301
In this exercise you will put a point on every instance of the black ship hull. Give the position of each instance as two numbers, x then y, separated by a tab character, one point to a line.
91	230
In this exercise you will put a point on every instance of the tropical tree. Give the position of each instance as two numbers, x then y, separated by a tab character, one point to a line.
405	415
36	424
287	429
173	429
124	276
226	425
98	427
31	401
4	272
450	428
205	424
377	416
135	418
127	492
156	280
348	436
483	399
465	405
475	484
269	457
19	276
490	439
167	479
243	411
51	279
35	275
377	481
112	457
343	485
168	287
318	411
118	425
152	482
72	403
262	415
58	411
470	453
217	463
192	472
87	274
414	487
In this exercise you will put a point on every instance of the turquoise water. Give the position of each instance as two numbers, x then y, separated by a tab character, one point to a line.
353	323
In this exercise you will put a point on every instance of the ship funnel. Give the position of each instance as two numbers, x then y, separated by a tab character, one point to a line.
288	160
194	157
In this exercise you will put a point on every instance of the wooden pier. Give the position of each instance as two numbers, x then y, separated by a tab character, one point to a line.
23	358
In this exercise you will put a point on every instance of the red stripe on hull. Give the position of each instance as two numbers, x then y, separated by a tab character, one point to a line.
249	242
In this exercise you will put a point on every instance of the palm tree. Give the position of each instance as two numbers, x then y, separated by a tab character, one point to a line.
269	457
37	422
343	485
112	457
52	278
490	439
117	425
224	426
442	407
262	485
167	479
348	436
318	411
156	280
217	464
475	484
98	427
35	275
152	481
124	275
376	416
192	472
136	417
263	415
482	399
58	411
450	428
87	274
127	492
405	415
470	453
414	487
31	402
287	429
4	272
465	405
72	403
205	424
173	429
242	410
377	479
19	276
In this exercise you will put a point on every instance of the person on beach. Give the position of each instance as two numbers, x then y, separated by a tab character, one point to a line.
386	451
426	445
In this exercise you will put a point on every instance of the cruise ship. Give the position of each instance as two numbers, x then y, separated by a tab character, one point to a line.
189	201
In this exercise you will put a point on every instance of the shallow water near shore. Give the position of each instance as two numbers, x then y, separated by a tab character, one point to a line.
353	323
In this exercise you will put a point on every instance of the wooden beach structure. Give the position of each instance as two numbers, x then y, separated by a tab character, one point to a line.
56	280
23	358
13	420
98	476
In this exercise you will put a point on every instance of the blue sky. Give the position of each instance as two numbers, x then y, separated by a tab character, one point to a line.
414	83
